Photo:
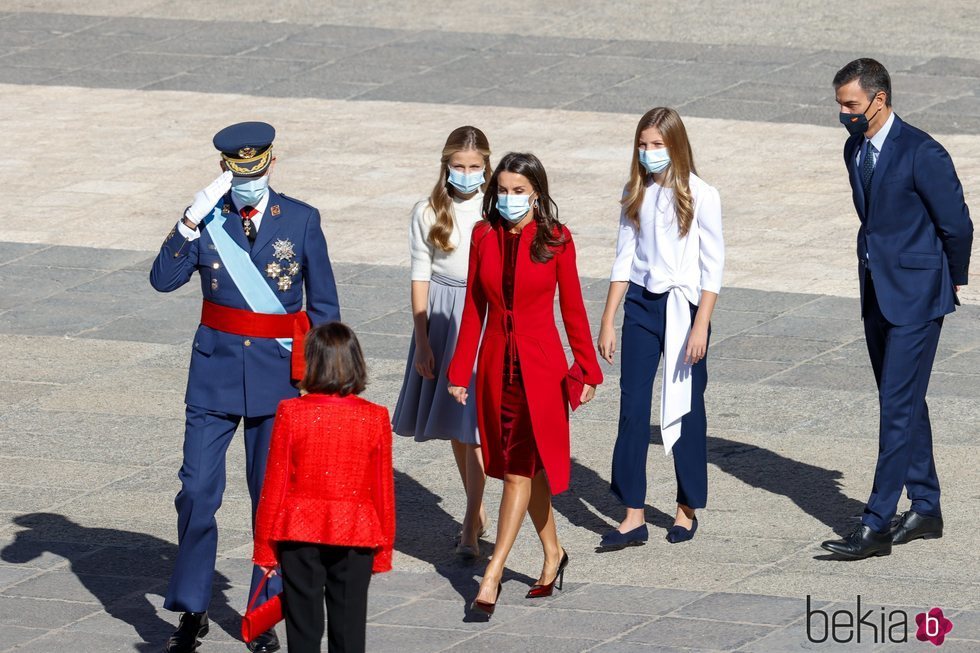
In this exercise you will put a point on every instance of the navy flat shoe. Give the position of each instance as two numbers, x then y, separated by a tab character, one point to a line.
614	540
678	534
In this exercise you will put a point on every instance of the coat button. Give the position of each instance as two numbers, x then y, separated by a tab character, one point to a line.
248	343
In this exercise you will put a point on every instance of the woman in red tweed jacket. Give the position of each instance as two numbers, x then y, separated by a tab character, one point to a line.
327	512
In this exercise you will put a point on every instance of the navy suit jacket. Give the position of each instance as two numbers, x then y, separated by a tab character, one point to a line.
226	375
916	231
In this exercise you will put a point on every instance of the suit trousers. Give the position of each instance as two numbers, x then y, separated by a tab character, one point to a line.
318	574
645	318
902	358
207	435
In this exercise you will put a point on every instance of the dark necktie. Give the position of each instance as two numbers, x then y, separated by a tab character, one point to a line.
247	214
867	166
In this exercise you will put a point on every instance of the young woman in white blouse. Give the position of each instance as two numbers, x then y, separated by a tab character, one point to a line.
669	261
439	239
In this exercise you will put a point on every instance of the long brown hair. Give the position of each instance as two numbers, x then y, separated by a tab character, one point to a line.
461	139
668	122
549	234
334	361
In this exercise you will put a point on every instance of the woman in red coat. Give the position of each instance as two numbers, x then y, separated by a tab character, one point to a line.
327	512
519	256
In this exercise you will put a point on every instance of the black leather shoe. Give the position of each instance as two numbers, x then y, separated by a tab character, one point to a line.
914	526
267	642
193	625
862	543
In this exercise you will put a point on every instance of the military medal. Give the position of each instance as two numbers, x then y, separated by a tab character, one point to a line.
284	266
283	250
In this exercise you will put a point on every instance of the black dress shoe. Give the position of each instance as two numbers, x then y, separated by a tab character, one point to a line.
267	642
862	543
914	526
193	625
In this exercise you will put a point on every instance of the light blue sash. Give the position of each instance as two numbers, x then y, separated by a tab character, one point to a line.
246	277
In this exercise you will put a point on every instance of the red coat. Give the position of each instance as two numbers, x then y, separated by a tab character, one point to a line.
542	358
328	479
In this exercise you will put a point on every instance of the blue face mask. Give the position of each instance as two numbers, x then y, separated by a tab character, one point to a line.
249	192
466	182
654	160
513	208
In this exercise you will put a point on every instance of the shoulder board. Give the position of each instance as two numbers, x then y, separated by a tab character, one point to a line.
296	201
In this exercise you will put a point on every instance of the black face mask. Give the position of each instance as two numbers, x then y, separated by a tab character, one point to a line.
857	123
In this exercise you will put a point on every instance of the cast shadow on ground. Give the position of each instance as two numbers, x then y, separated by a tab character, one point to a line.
587	489
119	568
427	532
815	490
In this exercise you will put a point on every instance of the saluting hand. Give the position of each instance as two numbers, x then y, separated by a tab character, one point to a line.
204	200
459	393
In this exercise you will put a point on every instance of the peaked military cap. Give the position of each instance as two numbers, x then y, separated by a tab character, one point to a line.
246	147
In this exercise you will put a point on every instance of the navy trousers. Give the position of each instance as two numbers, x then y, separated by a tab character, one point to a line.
207	435
642	347
902	358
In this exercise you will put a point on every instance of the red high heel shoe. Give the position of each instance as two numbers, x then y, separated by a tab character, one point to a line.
486	607
541	591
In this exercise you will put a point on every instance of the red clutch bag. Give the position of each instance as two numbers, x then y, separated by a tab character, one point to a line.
574	384
258	620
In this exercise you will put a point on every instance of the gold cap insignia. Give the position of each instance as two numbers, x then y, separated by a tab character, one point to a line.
246	153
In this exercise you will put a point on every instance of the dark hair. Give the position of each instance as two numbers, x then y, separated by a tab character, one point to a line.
871	75
549	234
334	361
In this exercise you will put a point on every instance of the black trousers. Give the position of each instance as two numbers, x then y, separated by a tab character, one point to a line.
318	574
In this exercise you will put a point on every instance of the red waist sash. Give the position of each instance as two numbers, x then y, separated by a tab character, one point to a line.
242	322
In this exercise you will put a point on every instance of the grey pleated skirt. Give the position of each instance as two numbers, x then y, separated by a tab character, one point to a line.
425	409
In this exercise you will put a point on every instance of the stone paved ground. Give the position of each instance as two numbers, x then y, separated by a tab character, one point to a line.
93	363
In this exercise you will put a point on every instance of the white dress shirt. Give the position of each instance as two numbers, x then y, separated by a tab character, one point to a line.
256	219
877	142
657	258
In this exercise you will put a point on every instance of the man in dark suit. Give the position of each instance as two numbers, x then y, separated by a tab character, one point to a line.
913	251
255	251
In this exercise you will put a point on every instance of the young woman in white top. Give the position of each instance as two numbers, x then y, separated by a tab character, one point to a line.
439	239
669	261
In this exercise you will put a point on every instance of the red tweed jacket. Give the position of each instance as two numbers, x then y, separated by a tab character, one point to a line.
329	478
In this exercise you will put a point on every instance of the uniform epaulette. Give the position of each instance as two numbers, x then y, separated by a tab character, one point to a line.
296	201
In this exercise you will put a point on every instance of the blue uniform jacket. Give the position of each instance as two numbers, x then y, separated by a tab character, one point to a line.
917	233
237	374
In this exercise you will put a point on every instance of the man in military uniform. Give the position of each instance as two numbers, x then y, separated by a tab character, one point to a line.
256	251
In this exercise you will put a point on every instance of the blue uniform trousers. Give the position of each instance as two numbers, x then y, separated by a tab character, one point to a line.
902	358
207	436
642	346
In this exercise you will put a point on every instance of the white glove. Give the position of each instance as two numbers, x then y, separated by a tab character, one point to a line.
204	200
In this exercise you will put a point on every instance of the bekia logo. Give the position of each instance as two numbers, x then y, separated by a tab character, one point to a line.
933	626
881	626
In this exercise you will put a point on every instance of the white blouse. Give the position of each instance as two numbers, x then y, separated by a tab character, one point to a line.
427	259
657	258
